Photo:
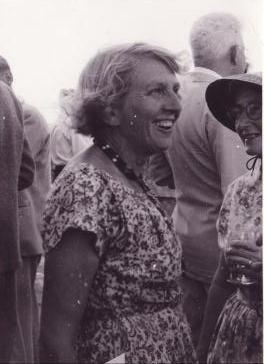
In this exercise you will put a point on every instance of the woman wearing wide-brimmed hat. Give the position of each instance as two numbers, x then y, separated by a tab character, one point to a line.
232	329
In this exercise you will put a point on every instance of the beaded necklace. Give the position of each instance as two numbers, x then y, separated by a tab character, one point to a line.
130	174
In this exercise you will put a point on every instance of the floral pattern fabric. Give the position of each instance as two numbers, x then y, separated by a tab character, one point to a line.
134	305
238	334
241	211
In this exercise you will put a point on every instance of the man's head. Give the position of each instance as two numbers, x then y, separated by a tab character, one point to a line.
217	43
5	72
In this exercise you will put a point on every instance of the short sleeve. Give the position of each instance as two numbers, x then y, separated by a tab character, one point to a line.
81	200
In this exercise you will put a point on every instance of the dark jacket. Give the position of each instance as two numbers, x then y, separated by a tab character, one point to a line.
17	171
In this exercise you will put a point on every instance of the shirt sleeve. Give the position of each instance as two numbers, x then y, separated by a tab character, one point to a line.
81	200
65	142
37	132
60	145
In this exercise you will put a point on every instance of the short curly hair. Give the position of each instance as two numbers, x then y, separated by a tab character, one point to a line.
106	79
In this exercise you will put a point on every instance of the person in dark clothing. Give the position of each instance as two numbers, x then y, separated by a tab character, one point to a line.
17	168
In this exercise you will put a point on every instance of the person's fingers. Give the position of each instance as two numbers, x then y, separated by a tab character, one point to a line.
244	246
244	262
240	269
250	273
254	256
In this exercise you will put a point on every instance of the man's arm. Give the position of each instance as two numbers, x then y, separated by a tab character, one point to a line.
37	132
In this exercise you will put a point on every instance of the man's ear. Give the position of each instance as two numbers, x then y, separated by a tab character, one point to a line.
112	116
233	53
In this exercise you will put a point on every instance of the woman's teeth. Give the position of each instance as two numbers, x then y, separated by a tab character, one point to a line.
165	124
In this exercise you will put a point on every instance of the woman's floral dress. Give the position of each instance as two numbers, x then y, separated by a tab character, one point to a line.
238	334
134	306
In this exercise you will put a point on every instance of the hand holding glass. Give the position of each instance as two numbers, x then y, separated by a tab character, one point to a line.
242	252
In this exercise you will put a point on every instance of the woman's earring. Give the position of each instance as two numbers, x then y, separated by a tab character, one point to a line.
131	123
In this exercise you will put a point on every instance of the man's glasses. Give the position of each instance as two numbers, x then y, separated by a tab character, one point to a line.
252	110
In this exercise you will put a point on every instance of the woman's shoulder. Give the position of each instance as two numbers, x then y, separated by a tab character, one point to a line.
248	181
84	176
81	198
240	182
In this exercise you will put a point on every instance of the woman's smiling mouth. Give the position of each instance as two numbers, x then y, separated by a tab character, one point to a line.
165	125
250	136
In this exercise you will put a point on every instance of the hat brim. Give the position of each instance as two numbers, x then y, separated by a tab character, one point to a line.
218	97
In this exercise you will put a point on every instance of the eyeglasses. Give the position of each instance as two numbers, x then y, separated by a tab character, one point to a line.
253	111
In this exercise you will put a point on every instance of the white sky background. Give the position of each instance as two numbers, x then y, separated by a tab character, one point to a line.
47	42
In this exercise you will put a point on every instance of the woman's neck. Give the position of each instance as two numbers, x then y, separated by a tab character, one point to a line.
127	153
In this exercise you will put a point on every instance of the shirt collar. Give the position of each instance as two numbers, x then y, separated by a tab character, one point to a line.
206	71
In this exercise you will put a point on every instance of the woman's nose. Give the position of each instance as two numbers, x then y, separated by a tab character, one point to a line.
242	122
173	103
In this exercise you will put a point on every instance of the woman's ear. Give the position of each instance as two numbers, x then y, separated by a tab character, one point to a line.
111	116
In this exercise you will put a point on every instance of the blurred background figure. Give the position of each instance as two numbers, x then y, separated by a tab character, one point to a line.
65	142
204	157
233	322
31	205
17	168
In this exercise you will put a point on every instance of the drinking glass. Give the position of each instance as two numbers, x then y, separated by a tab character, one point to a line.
247	237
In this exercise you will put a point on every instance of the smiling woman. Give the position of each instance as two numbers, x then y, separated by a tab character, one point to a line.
232	327
246	110
153	104
113	261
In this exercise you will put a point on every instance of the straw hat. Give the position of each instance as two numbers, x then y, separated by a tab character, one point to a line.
218	95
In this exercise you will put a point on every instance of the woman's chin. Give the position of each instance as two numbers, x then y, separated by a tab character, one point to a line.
253	146
253	151
164	144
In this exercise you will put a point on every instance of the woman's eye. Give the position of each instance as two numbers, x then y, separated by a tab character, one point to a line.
254	109
176	90
158	91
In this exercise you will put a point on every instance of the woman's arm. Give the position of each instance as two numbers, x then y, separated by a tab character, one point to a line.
219	291
69	271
